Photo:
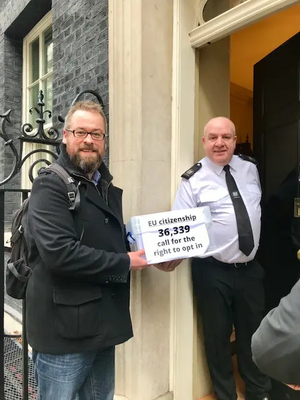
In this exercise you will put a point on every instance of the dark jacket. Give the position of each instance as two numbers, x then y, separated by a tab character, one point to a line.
276	343
78	295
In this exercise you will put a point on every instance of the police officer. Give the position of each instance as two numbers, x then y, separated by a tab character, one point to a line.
228	283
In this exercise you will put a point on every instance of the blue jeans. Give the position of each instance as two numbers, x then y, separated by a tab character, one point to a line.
79	376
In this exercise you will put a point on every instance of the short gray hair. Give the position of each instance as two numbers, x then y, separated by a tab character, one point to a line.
86	105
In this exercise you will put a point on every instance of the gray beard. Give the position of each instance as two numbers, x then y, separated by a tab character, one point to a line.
86	165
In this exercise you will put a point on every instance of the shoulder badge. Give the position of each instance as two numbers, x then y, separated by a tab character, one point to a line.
191	171
248	158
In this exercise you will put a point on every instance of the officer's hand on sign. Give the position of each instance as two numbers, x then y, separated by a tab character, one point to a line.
136	260
168	266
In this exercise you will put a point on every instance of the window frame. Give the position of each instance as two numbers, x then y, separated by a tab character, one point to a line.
36	32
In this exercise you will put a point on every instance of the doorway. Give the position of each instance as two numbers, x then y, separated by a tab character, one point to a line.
264	104
225	78
247	47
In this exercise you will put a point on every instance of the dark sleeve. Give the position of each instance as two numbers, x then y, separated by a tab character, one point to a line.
54	232
276	343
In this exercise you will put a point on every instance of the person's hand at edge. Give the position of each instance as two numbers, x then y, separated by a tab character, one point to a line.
294	387
136	260
168	266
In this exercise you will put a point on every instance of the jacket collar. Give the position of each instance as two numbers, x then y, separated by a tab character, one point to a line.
66	163
90	192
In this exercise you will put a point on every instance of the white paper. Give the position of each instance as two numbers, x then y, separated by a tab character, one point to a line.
171	235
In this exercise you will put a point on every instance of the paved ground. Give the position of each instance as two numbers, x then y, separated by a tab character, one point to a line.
13	370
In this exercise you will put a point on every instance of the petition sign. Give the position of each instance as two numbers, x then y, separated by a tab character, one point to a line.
172	235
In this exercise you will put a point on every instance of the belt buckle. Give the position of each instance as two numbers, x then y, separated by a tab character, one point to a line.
238	265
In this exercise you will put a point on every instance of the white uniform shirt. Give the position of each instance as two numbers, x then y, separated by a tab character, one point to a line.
207	187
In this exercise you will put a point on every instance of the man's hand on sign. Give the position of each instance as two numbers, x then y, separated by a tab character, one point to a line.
167	266
136	260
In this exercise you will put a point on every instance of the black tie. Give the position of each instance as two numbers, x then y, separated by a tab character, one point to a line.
246	241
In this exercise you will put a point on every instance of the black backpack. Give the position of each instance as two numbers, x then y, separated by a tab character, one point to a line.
18	271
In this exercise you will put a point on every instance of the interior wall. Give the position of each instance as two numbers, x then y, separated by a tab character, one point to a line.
241	112
251	44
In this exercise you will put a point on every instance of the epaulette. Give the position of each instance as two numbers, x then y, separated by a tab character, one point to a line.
248	158
191	171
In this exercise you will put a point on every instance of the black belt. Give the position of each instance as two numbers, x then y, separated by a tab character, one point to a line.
236	265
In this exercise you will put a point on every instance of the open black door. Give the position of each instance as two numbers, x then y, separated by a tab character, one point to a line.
276	147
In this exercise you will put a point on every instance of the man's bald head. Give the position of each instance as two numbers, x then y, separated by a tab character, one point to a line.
219	140
219	121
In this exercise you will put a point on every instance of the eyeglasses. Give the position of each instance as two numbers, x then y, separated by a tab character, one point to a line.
79	134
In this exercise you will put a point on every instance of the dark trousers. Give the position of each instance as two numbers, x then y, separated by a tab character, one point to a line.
227	296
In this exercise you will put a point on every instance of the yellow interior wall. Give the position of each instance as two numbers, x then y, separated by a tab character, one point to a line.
241	112
247	47
250	45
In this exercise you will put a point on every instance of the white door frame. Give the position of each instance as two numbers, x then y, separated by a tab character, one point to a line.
236	18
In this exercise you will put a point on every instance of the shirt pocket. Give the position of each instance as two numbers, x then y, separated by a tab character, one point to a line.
213	197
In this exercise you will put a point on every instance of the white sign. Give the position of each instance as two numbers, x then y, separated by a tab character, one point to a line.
172	235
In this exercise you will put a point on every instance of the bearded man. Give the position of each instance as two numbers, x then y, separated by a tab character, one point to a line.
78	293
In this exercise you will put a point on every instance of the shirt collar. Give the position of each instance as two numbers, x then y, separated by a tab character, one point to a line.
96	177
219	168
234	163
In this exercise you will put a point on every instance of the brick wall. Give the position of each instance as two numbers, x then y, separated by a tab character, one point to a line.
12	100
80	37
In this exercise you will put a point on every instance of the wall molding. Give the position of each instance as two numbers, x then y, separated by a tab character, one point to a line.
183	379
140	101
202	4
165	396
234	19
125	111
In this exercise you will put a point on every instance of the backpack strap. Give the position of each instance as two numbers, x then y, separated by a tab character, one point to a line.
72	188
16	233
19	232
